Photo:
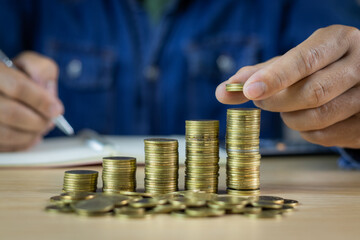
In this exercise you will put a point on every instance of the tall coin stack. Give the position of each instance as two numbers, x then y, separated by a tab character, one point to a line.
161	165
80	181
242	146
202	155
119	174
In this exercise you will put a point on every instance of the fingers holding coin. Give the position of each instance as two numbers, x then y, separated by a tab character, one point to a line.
315	86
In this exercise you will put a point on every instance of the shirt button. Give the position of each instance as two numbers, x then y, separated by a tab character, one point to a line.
225	63
152	73
74	68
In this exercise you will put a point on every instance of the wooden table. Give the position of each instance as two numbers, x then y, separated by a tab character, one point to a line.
330	207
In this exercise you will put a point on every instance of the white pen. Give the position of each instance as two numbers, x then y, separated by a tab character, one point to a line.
59	121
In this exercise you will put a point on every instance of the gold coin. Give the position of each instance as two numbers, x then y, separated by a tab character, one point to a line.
58	209
234	87
93	206
249	192
237	209
230	200
287	209
76	196
165	141
119	158
290	203
118	199
272	199
204	212
179	214
80	173
131	213
162	209
137	194
188	202
266	204
56	199
144	203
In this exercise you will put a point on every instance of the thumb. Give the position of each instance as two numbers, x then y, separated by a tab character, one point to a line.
41	69
241	76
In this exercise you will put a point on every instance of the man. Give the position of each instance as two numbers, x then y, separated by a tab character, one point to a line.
123	71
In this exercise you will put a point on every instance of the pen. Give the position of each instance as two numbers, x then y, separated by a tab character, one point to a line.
59	121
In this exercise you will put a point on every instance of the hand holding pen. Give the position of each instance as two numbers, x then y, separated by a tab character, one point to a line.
29	105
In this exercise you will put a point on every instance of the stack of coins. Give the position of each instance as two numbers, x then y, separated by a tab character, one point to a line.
80	181
202	155
161	165
242	146
235	87
119	174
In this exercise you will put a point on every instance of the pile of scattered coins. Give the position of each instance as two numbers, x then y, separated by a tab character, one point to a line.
185	204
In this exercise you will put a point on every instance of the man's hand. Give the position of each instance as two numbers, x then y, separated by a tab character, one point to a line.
28	101
315	86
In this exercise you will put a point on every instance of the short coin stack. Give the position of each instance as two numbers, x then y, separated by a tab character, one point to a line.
242	146
202	155
161	165
119	174
80	181
235	87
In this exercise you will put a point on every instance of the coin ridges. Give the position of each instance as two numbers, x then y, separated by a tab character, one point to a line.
242	146
161	165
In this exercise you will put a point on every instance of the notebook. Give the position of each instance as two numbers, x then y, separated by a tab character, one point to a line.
77	151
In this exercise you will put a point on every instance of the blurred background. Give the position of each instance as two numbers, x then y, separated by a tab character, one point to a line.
145	66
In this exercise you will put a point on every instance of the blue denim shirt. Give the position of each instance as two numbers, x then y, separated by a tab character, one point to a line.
121	74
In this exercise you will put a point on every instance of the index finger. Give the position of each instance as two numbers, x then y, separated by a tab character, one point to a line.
17	86
240	76
41	69
323	47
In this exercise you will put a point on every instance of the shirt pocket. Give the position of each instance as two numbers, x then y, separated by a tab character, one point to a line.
211	61
83	66
219	57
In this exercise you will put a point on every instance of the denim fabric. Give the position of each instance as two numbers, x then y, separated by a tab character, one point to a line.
349	159
120	74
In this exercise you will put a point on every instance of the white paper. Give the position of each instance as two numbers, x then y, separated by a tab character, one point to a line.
73	151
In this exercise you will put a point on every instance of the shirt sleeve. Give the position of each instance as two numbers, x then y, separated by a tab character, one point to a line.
349	158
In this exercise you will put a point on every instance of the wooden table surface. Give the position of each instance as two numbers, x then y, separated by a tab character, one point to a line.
329	197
